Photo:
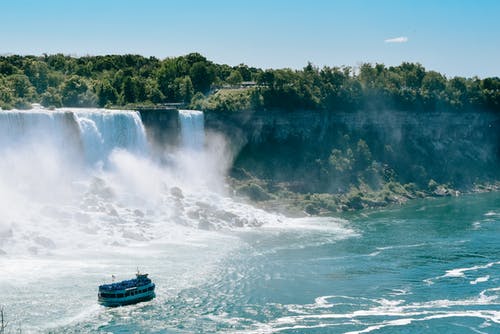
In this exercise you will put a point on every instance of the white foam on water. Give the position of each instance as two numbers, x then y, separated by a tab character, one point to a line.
406	314
331	227
476	225
486	315
491	213
364	315
460	272
323	301
401	246
480	280
400	292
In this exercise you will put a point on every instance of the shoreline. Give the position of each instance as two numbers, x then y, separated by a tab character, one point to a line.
323	204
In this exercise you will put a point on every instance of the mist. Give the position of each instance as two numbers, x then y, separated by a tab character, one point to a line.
88	179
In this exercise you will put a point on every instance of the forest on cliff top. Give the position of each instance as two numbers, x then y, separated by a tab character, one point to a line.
130	80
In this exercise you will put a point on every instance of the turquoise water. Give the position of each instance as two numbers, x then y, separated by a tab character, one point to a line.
431	266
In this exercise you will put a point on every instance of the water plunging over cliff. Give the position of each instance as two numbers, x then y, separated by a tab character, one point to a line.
96	132
192	129
70	171
101	132
20	128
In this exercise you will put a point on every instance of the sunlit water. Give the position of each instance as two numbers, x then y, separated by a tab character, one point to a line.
221	265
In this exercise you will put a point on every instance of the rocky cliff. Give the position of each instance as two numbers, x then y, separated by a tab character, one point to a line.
334	153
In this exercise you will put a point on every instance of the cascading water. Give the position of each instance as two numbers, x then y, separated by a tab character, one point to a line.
48	163
95	131
192	159
192	129
102	132
38	126
53	161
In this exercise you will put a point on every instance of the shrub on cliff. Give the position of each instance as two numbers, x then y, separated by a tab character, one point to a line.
254	192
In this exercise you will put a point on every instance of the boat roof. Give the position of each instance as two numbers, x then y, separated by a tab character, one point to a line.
127	284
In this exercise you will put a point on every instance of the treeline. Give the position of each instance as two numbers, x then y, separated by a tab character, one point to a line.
120	80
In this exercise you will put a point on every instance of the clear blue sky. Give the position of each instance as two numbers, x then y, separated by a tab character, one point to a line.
456	37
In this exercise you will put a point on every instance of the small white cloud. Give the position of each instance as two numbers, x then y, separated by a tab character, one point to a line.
402	39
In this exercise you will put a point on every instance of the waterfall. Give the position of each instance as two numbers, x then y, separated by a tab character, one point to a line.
96	132
192	129
91	134
33	129
103	131
23	127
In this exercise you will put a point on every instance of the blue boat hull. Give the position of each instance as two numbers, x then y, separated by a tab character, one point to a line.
114	302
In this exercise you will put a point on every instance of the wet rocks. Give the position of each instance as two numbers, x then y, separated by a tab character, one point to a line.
138	213
134	236
176	192
45	242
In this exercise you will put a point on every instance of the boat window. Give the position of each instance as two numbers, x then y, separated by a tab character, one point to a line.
120	295
107	295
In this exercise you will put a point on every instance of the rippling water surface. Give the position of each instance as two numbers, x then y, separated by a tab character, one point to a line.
431	266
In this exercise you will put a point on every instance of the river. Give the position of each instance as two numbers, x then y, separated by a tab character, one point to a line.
72	215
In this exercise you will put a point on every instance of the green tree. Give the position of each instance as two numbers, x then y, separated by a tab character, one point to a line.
457	92
73	90
412	74
22	86
130	90
166	76
266	78
234	78
51	98
7	68
183	89
341	162
363	155
491	92
106	94
246	73
153	92
194	58
202	76
38	74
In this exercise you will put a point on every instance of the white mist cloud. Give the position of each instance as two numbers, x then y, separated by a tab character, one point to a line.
401	39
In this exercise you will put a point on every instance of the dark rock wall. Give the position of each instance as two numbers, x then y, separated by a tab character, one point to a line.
162	127
448	147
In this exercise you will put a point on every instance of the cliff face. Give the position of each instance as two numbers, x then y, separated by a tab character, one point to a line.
332	151
162	127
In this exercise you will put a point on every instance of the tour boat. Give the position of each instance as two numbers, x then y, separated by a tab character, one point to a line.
127	292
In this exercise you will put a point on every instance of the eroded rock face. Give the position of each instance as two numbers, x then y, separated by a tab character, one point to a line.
294	147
